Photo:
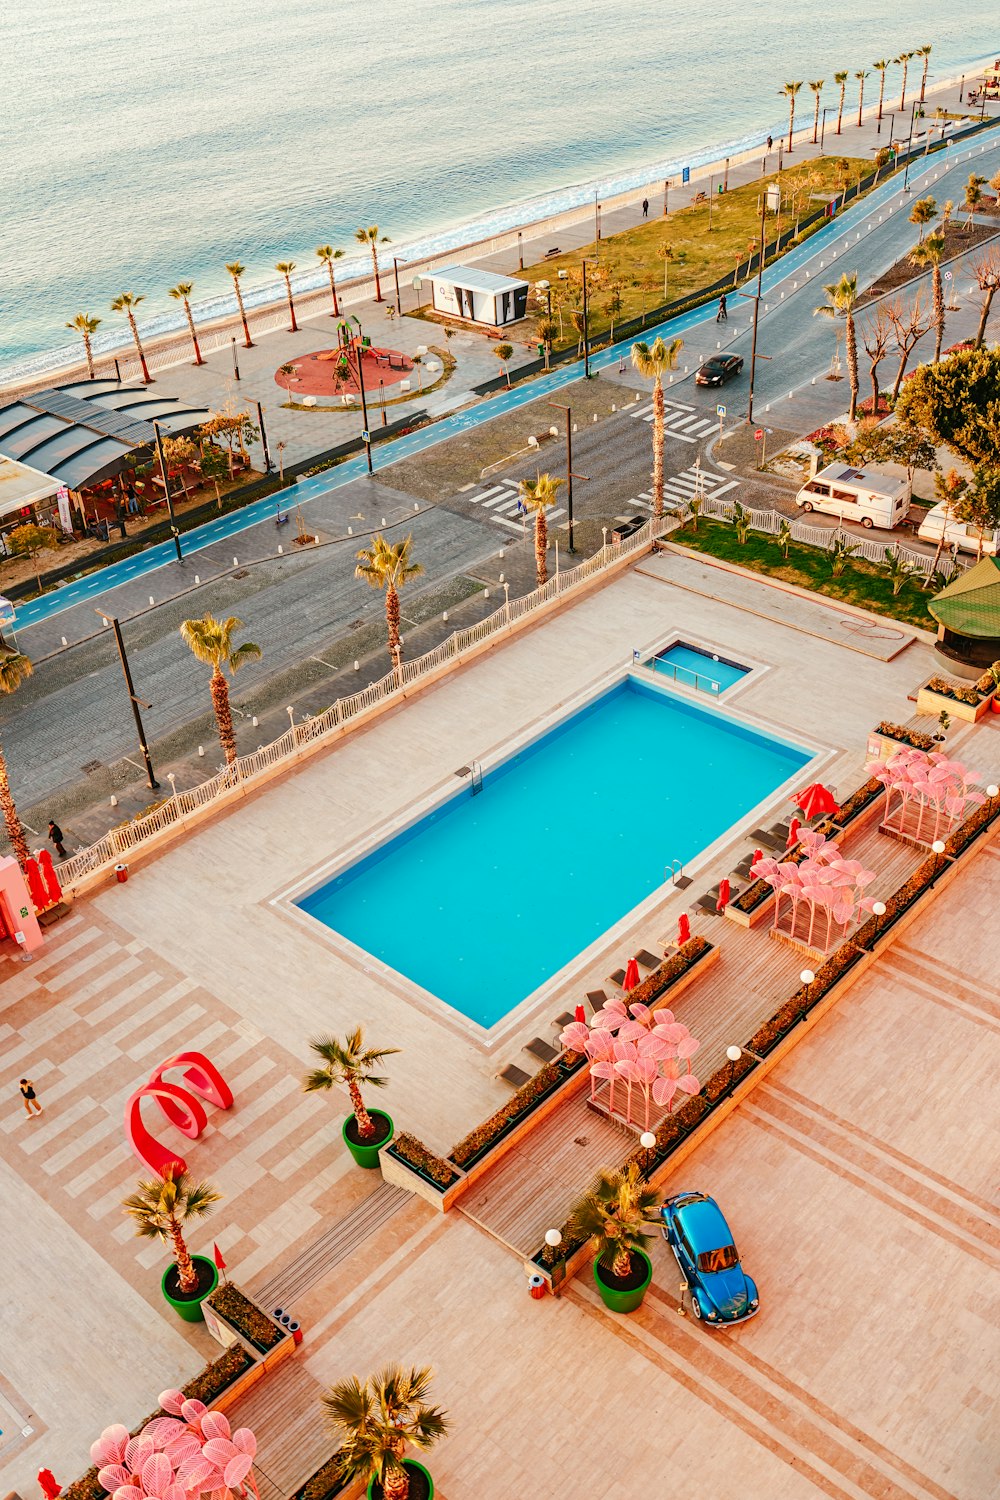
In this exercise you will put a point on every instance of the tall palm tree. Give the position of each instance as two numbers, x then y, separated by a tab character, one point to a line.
369	237
652	362
931	252
85	325
880	68
842	298
840	79
328	255
667	254
539	494
375	1421
211	641
349	1062
922	212
14	670
616	1217
236	269
904	59
161	1206
286	267
925	53
788	91
388	565
182	293
861	75
127	302
817	88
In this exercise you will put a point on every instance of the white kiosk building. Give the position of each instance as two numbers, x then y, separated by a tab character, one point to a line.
478	296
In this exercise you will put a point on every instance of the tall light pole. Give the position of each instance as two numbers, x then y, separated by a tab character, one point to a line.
822	129
366	433
909	143
166	490
395	272
756	302
586	339
135	702
569	471
268	465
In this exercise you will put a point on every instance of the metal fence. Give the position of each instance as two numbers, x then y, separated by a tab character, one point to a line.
183	807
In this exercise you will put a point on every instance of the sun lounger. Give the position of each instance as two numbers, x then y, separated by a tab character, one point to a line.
561	1022
769	838
742	870
540	1048
514	1076
709	901
647	960
617	978
596	999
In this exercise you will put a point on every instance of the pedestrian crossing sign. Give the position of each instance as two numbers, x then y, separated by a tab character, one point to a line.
720	411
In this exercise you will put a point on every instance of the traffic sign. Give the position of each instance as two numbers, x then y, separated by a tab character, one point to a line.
366	437
947	275
759	434
720	411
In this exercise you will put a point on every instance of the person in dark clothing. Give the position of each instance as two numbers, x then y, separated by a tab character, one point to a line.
722	315
56	835
770	143
30	1098
645	208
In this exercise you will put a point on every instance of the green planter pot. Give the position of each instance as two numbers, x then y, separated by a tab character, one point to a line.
624	1301
367	1156
189	1308
374	1490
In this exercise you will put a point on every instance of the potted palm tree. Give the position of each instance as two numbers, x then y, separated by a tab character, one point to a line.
159	1208
376	1420
613	1216
350	1062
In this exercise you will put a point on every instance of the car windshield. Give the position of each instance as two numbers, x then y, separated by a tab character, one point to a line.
722	1259
715	364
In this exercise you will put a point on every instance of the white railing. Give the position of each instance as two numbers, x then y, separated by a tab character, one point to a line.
872	550
181	807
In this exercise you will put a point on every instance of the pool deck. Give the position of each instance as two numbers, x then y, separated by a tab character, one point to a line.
862	1374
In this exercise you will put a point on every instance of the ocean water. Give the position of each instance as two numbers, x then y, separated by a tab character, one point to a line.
146	144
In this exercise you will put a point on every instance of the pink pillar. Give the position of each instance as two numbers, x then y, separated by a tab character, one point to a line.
17	908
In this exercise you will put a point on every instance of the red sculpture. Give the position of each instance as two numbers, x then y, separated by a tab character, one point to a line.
52	887
178	1104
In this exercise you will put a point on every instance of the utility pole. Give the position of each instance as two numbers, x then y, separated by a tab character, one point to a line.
569	470
268	466
135	702
586	340
366	434
395	272
756	302
166	490
909	143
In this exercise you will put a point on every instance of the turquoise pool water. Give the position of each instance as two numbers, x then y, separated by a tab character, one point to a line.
695	668
488	896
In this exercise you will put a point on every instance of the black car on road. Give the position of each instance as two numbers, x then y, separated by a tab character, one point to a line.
719	369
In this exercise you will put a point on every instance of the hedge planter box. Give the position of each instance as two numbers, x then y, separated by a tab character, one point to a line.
931	702
421	1483
365	1153
626	1295
185	1306
234	1318
885	741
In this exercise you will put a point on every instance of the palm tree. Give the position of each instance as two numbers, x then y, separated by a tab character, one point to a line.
86	326
842	297
667	254
547	330
880	68
922	212
369	237
925	53
904	59
182	293
286	267
161	1206
973	195
861	75
613	1216
375	1421
840	79
817	88
931	253
328	255
652	361
538	494
236	269
788	91
14	670
212	642
387	565
349	1062
127	302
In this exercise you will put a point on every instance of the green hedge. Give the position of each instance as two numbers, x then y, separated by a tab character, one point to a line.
246	1317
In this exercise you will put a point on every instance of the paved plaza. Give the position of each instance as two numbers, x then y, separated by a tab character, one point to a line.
857	1178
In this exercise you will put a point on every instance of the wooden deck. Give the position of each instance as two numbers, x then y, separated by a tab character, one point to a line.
284	1412
308	1267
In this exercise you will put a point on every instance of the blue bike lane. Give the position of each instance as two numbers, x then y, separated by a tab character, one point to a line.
821	246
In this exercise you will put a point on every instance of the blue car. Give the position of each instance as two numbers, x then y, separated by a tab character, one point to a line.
697	1233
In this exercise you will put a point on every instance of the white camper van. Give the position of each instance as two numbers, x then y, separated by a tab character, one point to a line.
956	533
857	495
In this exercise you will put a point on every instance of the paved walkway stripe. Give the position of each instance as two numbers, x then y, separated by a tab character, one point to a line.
330	1248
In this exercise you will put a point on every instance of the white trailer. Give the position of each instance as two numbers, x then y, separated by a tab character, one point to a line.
862	495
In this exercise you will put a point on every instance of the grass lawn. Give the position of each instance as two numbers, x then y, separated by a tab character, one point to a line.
861	583
632	263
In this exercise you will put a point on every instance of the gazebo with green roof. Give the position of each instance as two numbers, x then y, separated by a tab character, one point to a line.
968	615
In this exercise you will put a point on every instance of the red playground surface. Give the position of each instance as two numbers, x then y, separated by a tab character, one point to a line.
334	372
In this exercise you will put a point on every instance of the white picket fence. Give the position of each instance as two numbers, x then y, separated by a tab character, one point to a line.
869	548
184	807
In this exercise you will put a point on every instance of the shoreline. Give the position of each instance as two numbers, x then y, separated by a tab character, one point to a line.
165	337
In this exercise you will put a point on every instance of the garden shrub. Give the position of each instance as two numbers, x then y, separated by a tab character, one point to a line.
905	736
670	970
328	1480
246	1317
962	692
542	1083
418	1155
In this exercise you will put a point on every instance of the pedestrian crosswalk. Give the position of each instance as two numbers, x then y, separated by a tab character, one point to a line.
501	501
686	423
679	488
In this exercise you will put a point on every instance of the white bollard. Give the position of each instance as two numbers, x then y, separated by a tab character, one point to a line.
574	426
768	407
350	531
445	617
236	562
281	550
201	749
790	395
197	579
718	346
357	666
114	801
151	599
383	520
66	642
813	381
782	297
254	721
613	406
594	419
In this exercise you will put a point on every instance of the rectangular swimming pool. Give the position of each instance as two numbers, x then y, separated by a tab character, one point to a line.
488	896
694	667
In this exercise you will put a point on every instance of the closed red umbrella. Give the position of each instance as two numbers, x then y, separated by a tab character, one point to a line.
723	900
631	975
581	1015
758	855
36	885
793	834
816	801
683	929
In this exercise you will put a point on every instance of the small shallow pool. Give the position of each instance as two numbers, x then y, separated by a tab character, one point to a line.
696	668
489	895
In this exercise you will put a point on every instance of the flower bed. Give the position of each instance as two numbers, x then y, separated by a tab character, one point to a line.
969	831
903	736
326	1482
421	1158
530	1094
972	693
246	1317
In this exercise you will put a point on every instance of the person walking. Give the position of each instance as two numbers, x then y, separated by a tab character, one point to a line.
56	837
29	1097
722	315
645	208
770	143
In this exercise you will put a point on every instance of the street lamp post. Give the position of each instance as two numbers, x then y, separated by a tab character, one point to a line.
648	1143
909	143
236	360
166	490
133	700
586	339
878	912
395	272
569	471
268	465
756	302
359	351
807	979
822	129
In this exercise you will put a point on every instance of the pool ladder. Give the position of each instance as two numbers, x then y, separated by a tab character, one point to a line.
477	778
674	873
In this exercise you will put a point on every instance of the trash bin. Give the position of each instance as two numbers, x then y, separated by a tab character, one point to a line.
121	874
537	1286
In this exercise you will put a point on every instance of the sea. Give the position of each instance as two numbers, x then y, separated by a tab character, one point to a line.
145	144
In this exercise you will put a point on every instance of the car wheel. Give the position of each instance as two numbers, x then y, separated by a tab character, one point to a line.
867	522
696	1308
807	505
739	368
